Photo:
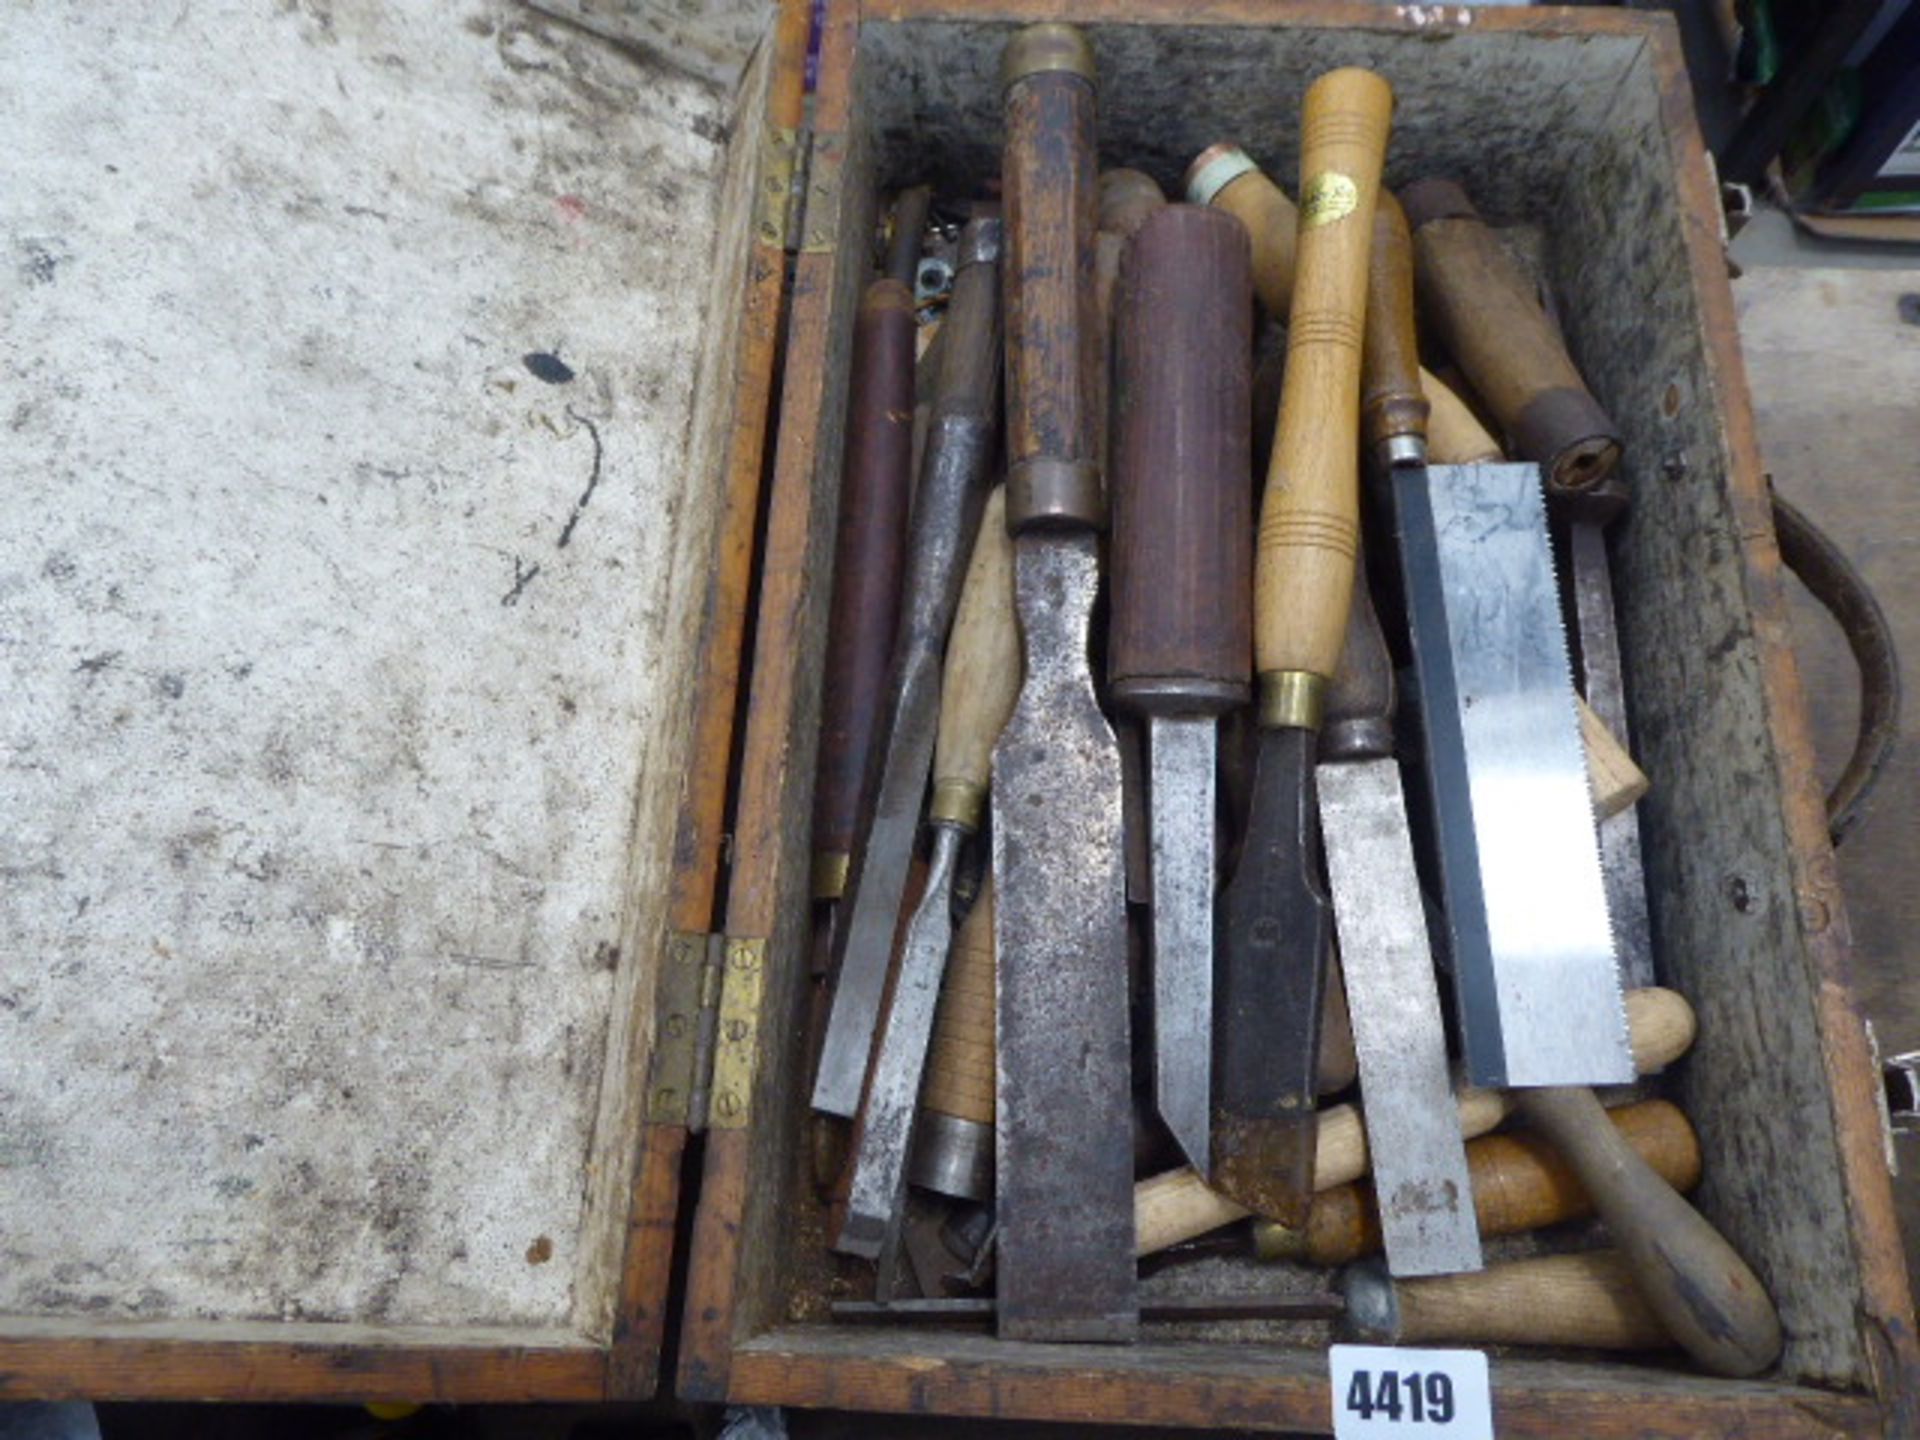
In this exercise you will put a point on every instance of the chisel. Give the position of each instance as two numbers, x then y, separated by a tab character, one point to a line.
1180	642
955	475
1488	317
1178	1205
982	676
1520	1183
1274	920
1063	1114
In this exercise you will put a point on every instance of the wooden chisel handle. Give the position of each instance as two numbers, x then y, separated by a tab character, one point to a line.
1181	630
1053	332
1393	407
1128	199
1691	1277
876	487
1481	307
1586	1300
960	1058
1177	1205
1519	1183
1455	435
982	677
1309	517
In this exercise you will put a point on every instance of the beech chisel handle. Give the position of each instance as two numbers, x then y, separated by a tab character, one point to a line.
1455	435
1520	1182
1309	518
1054	351
1181	633
1482	308
1177	1205
1393	407
982	677
876	487
1692	1278
1587	1300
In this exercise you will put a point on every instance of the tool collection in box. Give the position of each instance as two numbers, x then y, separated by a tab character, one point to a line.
1217	867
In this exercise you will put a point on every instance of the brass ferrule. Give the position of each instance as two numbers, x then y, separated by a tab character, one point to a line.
830	869
959	803
1055	494
1292	699
1040	48
1213	169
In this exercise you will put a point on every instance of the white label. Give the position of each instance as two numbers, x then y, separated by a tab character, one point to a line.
1381	1392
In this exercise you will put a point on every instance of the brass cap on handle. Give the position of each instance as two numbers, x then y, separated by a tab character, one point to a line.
1045	47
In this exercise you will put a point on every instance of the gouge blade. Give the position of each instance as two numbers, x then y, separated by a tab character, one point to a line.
1064	1116
1274	928
1180	802
1620	864
1540	998
893	1094
1420	1174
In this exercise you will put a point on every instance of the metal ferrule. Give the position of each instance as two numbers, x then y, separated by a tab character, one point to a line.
1373	1309
1215	168
958	803
1364	737
1292	699
1178	695
952	1156
1056	495
1044	48
830	869
979	243
1402	451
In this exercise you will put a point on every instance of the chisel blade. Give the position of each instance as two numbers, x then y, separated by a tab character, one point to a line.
1424	1192
1274	929
1540	997
1064	1115
1620	864
1180	801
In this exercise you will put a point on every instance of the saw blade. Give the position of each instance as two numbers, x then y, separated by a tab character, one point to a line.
1540	997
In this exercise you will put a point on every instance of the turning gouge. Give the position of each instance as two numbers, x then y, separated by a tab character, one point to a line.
955	476
1274	920
1178	1205
1520	1183
1180	641
1587	1300
1063	1114
982	676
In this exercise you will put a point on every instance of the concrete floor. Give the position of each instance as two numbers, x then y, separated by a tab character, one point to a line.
1835	373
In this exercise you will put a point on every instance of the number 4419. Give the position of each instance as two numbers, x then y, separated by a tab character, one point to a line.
1401	1394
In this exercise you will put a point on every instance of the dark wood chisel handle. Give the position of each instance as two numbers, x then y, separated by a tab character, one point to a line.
1053	332
876	487
1692	1278
1309	519
1393	407
1181	638
1480	306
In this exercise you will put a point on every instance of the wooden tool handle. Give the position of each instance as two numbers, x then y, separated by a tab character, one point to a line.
1519	1183
982	678
1612	776
1339	1063
1128	199
1271	221
1393	408
1692	1278
1177	1205
1482	308
1053	356
1586	1300
1361	700
875	490
1181	638
1455	435
1309	518
910	209
960	1056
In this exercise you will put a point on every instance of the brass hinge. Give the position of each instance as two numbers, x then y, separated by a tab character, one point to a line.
820	218
706	1032
783	169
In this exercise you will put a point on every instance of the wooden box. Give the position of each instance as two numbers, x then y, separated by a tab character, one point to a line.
1576	120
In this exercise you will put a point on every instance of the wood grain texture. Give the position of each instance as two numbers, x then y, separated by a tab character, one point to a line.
1392	402
1310	514
981	680
960	1056
1273	225
1612	777
1455	435
1585	1301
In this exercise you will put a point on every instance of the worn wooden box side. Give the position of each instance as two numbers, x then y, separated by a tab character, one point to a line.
690	375
914	89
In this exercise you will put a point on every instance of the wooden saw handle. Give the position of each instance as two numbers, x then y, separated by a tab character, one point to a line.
1309	518
982	677
1691	1277
1482	308
1586	1300
1519	1183
1177	1205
